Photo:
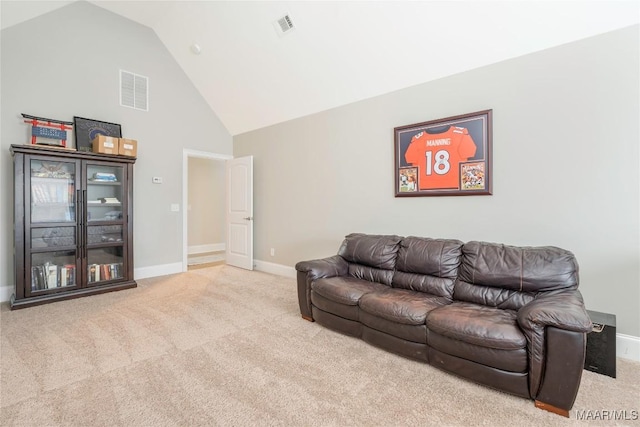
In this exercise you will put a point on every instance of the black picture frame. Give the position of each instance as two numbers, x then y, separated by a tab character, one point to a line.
87	129
445	157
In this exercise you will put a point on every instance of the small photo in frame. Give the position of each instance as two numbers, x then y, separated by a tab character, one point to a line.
472	176
408	180
87	129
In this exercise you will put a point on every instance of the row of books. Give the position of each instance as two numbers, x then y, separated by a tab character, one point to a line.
52	193
99	272
49	276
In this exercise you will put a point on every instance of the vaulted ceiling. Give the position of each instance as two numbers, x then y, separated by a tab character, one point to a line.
342	51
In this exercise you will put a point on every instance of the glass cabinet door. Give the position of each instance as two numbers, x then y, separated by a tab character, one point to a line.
105	232
105	193
105	259
53	191
52	232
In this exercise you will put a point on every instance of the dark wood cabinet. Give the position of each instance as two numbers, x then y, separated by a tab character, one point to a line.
73	224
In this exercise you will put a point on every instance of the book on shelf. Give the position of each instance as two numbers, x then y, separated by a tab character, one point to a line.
104	177
52	276
110	200
105	272
71	274
104	200
94	273
38	278
63	276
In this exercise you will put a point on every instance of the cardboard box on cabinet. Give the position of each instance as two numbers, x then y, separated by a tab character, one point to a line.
105	144
128	147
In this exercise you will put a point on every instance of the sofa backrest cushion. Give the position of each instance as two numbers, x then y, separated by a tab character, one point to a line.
370	274
491	297
509	277
371	250
524	269
428	265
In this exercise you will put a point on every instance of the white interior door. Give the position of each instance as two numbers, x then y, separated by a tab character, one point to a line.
240	212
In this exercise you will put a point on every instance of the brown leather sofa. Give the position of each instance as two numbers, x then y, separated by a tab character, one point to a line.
508	317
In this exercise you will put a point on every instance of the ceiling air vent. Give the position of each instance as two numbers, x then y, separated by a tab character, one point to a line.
134	91
284	25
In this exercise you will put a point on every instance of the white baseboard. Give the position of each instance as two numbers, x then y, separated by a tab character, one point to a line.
628	347
157	270
194	260
277	269
5	293
201	249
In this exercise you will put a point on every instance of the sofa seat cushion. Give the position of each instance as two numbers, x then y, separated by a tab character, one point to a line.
413	333
401	305
351	312
507	360
345	290
478	325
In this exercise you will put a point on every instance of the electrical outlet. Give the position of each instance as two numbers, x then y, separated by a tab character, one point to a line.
156	180
272	252
175	207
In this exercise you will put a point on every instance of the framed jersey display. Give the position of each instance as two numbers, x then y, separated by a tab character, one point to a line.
445	157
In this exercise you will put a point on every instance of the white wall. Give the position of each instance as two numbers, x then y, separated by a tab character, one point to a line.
566	160
67	63
206	216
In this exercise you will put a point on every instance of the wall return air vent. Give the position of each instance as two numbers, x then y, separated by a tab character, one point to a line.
284	25
134	91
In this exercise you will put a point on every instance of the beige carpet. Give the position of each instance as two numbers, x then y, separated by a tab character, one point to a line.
222	346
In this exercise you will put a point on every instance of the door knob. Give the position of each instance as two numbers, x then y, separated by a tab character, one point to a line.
248	218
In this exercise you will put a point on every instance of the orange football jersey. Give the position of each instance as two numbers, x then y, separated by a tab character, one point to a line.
438	156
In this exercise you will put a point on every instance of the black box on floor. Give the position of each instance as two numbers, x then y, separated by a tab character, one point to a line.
601	344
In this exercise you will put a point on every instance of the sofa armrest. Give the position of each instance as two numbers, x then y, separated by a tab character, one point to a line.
557	309
326	267
308	271
564	364
562	309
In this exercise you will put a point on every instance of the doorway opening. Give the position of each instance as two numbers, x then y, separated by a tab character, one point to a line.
203	214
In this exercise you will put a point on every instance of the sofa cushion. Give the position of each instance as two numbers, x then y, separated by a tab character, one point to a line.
525	269
413	333
438	286
351	312
371	274
492	297
401	305
478	325
435	257
371	250
345	290
515	360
